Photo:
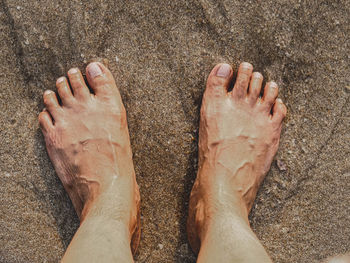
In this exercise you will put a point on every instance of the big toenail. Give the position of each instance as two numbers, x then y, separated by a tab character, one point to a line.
94	70
224	71
72	71
47	92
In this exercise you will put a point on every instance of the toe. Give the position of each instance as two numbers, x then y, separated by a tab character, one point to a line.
270	95
279	111
219	80
45	121
64	91
255	87
78	85
101	79
51	103
243	77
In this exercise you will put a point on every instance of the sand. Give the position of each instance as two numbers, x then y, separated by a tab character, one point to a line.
160	53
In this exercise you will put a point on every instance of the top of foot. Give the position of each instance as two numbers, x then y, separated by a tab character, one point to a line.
238	138
88	143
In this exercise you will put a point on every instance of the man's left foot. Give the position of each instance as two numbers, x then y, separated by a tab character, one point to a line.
87	140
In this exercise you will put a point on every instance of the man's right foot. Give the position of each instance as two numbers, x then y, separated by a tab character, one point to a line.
87	140
238	138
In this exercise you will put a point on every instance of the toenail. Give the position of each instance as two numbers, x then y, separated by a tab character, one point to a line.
273	84
257	75
224	71
246	65
61	79
47	92
280	100
73	71
94	70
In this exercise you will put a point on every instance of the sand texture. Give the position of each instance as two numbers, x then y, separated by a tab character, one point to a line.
161	53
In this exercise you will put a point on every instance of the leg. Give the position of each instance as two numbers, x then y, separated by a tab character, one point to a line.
88	143
238	138
338	259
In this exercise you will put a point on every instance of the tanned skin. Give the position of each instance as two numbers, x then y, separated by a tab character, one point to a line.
87	140
88	143
238	137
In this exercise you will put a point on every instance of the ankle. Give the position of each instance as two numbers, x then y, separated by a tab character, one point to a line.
222	222
108	224
100	214
215	208
107	204
221	195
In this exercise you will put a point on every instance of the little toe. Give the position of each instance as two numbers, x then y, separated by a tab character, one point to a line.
64	91
255	87
45	121
101	80
270	95
279	111
219	80
51	103
77	82
243	77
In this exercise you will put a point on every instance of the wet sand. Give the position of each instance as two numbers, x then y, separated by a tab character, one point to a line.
160	53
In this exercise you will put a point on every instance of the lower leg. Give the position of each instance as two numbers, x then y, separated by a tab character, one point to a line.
238	138
240	246
338	259
100	240
228	238
104	234
224	233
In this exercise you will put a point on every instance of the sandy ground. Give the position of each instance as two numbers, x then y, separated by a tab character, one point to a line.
160	53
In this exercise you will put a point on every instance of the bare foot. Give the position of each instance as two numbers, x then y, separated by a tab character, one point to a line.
87	140
238	138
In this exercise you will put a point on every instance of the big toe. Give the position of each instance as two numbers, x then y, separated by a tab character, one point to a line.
101	79
219	80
